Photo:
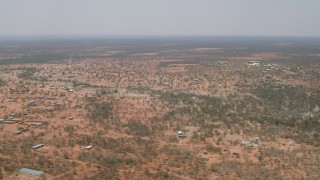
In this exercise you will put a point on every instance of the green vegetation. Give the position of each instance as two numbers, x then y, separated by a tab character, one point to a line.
2	82
27	73
138	129
100	112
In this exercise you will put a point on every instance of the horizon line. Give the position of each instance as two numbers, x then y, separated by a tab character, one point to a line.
110	36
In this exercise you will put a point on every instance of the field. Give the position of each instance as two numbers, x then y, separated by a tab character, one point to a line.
160	108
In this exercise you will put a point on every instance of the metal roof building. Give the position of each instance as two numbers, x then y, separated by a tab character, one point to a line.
31	172
37	146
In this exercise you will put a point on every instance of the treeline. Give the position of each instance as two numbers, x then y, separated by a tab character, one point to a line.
34	59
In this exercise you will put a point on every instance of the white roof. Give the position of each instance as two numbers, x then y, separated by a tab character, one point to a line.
37	146
31	171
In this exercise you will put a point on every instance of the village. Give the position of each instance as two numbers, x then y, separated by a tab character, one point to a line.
156	118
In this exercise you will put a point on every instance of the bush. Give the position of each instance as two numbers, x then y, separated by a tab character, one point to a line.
137	128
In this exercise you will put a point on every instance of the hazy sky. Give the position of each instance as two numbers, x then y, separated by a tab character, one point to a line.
160	17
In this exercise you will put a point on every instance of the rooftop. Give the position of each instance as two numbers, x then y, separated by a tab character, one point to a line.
31	171
37	146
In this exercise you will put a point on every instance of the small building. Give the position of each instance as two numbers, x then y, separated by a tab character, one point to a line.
254	63
8	121
181	134
36	123
291	143
89	147
30	172
37	146
253	143
218	174
223	62
20	131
